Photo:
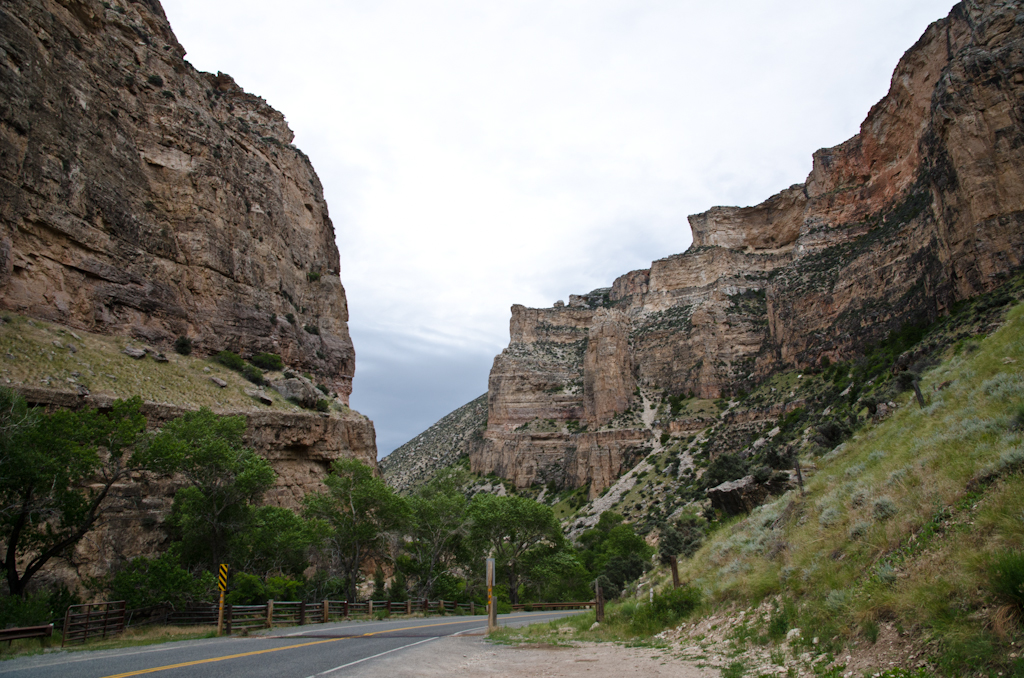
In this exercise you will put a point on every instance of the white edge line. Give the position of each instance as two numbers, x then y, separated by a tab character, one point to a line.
381	654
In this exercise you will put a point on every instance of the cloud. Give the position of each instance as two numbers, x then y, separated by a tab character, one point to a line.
479	154
412	381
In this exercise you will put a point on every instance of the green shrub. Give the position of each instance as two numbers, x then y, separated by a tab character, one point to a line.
884	508
665	438
41	607
267	361
290	317
253	374
155	81
148	582
323	405
183	345
323	389
313	276
667	609
1006	577
312	329
231	360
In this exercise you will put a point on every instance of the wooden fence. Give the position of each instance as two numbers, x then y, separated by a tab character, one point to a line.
88	621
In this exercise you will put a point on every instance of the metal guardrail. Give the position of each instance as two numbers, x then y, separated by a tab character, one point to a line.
40	632
92	620
553	606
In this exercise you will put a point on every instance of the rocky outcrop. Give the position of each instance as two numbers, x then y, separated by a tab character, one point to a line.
141	197
737	496
607	368
922	208
452	438
299	445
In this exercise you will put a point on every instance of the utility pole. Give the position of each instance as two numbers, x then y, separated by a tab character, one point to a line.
599	601
674	563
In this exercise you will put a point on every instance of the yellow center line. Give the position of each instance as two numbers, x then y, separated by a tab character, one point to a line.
220	659
287	647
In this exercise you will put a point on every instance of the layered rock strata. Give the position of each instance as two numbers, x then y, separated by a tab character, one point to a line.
139	196
924	207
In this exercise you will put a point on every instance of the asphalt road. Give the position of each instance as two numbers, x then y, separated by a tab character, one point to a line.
337	649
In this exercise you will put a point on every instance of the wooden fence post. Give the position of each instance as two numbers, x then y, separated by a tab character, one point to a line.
472	608
302	613
408	606
599	597
327	610
674	563
369	608
387	606
345	610
227	618
270	614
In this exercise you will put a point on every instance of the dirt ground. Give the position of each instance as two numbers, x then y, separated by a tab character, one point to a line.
459	657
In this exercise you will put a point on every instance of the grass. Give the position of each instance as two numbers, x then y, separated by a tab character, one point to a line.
132	637
30	356
901	523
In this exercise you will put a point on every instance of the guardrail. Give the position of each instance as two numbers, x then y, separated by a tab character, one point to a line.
39	632
529	607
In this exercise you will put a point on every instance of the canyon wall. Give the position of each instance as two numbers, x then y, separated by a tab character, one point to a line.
139	196
922	208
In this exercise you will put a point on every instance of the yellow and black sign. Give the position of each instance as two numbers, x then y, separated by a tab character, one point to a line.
222	578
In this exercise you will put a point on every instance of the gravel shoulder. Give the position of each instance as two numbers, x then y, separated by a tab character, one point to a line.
463	656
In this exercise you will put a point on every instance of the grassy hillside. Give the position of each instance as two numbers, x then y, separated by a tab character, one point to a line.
905	549
46	355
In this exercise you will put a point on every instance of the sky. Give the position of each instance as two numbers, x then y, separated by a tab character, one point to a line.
481	153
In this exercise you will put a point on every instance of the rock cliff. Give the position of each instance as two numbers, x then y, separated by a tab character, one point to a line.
139	196
141	201
923	208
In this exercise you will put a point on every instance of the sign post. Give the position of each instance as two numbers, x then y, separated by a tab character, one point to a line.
492	604
222	584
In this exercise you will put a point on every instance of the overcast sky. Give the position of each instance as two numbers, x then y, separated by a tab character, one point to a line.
480	153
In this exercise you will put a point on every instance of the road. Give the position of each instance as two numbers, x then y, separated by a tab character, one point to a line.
337	649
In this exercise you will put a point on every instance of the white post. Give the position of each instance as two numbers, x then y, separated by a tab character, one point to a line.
492	604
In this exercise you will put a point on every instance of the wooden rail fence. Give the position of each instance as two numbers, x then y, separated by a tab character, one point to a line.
102	619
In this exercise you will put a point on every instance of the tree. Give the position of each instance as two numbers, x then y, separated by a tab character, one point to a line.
440	524
225	481
276	540
355	512
59	473
510	527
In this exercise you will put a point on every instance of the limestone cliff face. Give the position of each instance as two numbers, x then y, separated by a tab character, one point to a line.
140	196
924	207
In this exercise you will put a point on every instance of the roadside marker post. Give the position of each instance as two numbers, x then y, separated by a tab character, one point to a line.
222	584
492	604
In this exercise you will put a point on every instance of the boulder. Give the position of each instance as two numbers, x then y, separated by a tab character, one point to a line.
136	353
738	496
299	390
220	382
